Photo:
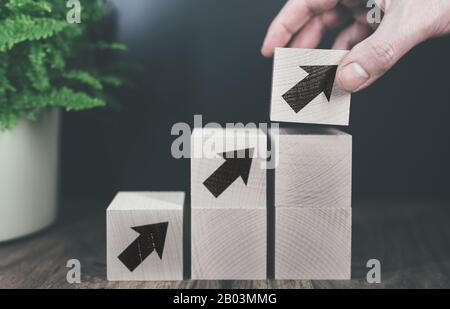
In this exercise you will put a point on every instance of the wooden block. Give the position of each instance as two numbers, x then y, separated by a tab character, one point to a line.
313	243
145	236
304	88
314	168
229	244
220	182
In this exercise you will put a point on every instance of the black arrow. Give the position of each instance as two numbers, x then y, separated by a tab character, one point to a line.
152	237
237	164
320	79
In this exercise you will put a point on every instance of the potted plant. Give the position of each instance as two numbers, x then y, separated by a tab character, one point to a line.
47	64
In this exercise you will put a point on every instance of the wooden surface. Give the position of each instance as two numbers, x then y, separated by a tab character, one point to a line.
287	73
136	209
411	239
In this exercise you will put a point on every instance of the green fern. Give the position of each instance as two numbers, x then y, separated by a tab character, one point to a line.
85	78
28	6
111	80
37	71
65	97
47	62
112	46
22	28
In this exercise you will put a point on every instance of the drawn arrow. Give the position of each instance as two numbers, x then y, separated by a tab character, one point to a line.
237	164
320	79
152	237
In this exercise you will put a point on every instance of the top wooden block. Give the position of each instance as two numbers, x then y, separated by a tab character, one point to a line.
220	181
147	201
304	88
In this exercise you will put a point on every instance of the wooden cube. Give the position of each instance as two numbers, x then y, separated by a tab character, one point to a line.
313	243
229	244
145	236
314	168
228	168
304	88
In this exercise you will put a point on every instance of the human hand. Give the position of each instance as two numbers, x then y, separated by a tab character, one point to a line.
375	48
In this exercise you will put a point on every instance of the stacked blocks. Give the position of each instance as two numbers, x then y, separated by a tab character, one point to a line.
313	204
228	209
313	176
313	214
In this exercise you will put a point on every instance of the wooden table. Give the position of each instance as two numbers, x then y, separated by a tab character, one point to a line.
412	241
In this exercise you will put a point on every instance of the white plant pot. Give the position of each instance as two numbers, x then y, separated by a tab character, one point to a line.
29	176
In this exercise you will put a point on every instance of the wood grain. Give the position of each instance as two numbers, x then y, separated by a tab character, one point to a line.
409	237
313	243
129	210
314	168
229	244
287	73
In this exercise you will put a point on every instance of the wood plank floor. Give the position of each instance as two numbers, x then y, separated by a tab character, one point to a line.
412	241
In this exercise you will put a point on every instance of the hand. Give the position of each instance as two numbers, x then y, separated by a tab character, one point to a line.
375	48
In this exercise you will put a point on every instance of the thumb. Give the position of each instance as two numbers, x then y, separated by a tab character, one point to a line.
373	57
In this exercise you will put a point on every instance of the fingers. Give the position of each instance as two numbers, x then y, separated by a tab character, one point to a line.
311	34
360	15
292	17
351	36
373	57
353	3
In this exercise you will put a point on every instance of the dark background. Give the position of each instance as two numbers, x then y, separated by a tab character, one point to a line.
203	57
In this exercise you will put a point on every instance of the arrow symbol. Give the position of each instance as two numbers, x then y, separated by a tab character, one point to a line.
152	237
320	79
237	164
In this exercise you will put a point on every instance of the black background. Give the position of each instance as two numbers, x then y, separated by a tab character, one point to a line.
203	57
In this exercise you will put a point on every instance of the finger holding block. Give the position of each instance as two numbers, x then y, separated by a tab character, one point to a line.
304	89
145	236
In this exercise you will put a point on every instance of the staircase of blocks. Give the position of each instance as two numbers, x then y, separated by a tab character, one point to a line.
228	198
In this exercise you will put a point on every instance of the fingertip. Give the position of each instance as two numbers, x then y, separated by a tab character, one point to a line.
352	77
267	52
269	44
